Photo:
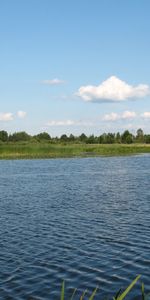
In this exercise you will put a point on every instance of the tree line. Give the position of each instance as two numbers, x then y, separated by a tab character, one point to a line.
106	138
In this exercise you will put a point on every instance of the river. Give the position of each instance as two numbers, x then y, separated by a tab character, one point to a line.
82	220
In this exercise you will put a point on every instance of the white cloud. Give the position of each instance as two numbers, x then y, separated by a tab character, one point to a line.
54	81
112	89
69	123
60	123
146	115
111	117
21	114
126	115
6	116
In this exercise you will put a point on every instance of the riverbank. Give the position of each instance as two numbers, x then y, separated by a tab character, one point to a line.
48	150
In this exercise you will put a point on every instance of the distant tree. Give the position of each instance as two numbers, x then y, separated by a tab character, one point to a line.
118	138
100	139
96	140
103	138
19	136
110	138
3	136
140	135
83	138
63	138
91	139
147	138
55	140
43	136
71	138
127	137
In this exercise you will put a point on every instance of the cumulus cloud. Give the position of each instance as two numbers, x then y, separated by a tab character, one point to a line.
146	115
112	89
21	114
69	123
54	81
111	117
126	115
6	116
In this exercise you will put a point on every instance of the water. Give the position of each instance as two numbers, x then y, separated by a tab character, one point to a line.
86	221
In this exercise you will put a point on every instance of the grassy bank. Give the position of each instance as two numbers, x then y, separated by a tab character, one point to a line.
48	150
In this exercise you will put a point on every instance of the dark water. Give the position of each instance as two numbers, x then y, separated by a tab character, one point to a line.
86	221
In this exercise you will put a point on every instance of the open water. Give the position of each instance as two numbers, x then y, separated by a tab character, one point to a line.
84	220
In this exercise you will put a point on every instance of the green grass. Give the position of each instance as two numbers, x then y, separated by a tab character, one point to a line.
119	295
47	150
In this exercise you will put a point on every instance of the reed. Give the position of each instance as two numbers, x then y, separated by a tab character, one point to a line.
29	150
119	295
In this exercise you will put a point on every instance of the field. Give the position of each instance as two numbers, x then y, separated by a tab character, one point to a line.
48	150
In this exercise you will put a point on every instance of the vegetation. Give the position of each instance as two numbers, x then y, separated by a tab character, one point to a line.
106	138
42	145
119	295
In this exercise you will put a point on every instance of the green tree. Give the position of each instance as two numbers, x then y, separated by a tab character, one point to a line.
103	138
118	138
3	136
71	138
140	136
64	138
83	138
19	136
43	136
147	138
91	139
110	138
127	137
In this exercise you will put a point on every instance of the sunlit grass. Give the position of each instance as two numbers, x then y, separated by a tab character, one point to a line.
47	150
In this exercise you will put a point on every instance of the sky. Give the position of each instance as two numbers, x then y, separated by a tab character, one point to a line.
74	66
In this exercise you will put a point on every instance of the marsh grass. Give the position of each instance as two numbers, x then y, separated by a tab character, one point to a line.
48	150
119	295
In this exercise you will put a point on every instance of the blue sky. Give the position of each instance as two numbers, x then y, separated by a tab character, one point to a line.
74	66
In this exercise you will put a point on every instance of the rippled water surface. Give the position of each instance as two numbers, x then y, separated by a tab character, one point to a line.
86	221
